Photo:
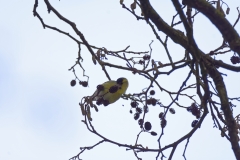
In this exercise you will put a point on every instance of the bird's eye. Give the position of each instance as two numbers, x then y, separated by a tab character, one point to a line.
120	81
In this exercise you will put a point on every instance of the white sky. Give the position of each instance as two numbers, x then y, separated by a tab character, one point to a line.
39	112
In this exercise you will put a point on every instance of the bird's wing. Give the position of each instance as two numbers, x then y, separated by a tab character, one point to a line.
106	86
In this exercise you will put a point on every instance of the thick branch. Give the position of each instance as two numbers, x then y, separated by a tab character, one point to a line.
215	16
225	106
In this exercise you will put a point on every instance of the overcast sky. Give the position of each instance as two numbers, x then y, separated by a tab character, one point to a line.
39	113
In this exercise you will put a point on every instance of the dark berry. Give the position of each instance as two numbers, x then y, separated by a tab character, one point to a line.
147	126
139	110
136	116
194	123
149	101
113	89
189	109
153	133
130	111
154	102
134	104
105	102
146	57
141	62
163	123
152	92
161	115
99	101
195	111
235	59
73	83
84	83
100	87
198	115
193	105
171	110
140	121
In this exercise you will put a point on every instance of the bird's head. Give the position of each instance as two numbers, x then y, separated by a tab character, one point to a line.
123	82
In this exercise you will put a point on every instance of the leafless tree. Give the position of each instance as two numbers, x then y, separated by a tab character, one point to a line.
209	84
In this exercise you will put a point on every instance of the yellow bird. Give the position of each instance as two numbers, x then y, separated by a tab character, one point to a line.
110	91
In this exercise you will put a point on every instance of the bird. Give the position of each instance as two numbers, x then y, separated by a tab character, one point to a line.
110	91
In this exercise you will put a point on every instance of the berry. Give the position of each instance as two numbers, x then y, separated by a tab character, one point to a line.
198	114
163	123
171	110
105	102
154	102
99	101
152	92
235	59
139	110
161	115
73	83
194	109
141	62
84	83
194	123
134	104
140	121
146	57
147	126
130	111
149	101
136	116
153	133
100	87
189	109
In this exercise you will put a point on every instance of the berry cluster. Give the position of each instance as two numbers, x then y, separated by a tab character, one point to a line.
144	58
147	125
82	83
102	101
163	122
138	111
152	101
195	110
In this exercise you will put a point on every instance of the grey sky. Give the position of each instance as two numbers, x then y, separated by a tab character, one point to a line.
39	113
